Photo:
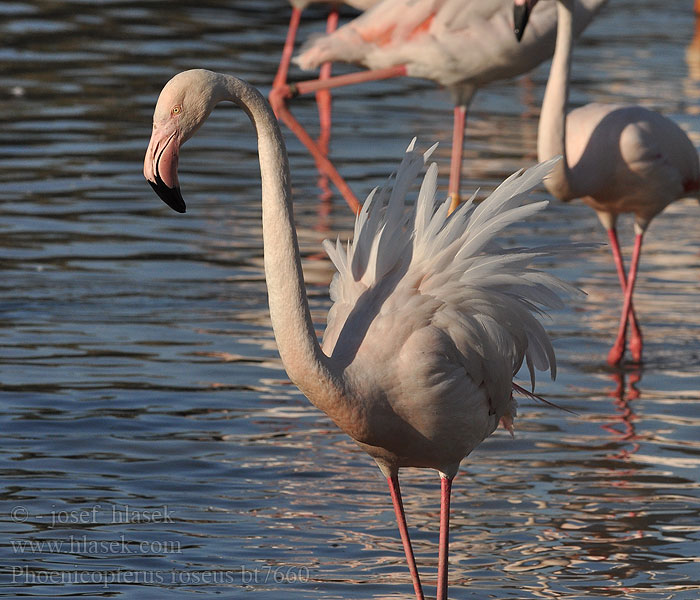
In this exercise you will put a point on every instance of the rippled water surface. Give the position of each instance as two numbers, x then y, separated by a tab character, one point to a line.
152	445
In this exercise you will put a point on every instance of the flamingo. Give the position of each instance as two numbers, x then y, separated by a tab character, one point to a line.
618	159
460	44
431	318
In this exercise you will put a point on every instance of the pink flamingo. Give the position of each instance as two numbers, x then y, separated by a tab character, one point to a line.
618	159
459	44
431	318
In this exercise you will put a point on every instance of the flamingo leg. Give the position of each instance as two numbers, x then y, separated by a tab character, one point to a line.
403	530
635	344
313	85
444	548
325	165
460	118
288	49
323	100
323	96
618	349
278	99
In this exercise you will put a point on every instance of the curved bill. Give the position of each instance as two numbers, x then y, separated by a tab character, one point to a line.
521	15
160	167
170	195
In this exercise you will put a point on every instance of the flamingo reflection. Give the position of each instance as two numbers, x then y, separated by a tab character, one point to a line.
623	425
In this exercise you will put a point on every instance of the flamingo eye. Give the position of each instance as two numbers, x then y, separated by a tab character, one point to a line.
176	110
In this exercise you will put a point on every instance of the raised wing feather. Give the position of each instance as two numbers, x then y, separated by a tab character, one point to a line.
487	298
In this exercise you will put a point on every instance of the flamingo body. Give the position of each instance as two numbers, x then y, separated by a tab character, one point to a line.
446	378
460	44
649	161
431	318
618	159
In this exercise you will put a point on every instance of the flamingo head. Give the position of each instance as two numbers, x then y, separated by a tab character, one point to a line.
521	15
182	107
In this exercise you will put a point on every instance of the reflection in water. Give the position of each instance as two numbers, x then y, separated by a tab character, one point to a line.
623	426
612	517
138	367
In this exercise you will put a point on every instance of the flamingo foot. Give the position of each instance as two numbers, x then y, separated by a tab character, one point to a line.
616	353
635	347
454	202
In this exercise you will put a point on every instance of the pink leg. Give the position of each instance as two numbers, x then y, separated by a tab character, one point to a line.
635	344
403	530
618	349
323	97
460	117
278	99
444	550
313	85
325	165
288	50
323	100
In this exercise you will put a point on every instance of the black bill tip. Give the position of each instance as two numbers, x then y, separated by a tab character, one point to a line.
171	196
521	14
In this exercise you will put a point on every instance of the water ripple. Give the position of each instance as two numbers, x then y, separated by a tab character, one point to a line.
152	442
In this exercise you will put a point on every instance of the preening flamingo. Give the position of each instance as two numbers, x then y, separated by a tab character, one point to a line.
431	318
460	44
618	159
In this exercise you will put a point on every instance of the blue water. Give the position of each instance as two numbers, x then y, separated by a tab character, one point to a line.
152	445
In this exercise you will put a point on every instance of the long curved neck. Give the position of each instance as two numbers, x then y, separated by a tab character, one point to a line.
551	133
298	345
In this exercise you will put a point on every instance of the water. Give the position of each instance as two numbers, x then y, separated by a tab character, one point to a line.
152	444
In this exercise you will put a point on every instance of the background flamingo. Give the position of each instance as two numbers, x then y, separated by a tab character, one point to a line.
430	321
618	159
460	44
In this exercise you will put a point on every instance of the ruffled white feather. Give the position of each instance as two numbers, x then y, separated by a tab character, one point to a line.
489	297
